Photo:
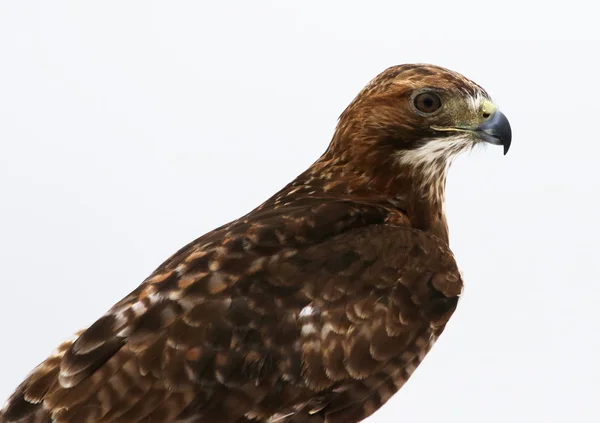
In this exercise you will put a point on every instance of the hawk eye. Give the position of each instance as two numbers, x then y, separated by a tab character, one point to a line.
428	102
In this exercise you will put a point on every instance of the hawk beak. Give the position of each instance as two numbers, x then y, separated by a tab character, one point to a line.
496	130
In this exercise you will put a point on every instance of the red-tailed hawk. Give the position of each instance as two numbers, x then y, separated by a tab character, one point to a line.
317	306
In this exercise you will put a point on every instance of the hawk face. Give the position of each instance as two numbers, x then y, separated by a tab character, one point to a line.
415	119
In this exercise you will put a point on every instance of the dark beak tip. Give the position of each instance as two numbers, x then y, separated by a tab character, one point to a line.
506	145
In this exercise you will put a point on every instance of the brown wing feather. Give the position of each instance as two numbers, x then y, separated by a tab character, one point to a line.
380	296
316	311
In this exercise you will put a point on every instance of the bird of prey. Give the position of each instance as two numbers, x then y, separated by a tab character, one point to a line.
316	306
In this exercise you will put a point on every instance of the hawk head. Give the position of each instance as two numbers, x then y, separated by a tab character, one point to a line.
412	120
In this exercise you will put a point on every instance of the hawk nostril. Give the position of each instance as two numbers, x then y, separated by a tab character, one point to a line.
486	115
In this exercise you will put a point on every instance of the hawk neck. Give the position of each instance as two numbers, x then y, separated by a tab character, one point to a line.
398	190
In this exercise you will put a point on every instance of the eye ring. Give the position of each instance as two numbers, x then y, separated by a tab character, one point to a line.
427	102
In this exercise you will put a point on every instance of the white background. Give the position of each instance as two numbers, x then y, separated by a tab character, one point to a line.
129	128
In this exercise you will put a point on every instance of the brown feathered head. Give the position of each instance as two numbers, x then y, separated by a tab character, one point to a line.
415	119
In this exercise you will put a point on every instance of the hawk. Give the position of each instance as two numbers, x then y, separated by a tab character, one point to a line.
317	306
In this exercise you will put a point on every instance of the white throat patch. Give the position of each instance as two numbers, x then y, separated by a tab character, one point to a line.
433	159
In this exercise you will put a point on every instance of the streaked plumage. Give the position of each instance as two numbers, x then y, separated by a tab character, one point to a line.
316	306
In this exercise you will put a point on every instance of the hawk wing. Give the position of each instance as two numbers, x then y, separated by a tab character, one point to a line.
316	311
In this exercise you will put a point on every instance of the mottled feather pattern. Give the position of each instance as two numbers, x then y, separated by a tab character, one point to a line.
317	306
218	327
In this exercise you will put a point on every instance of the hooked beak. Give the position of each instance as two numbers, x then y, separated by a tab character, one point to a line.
496	130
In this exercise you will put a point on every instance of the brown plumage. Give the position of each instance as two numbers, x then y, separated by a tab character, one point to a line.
317	306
